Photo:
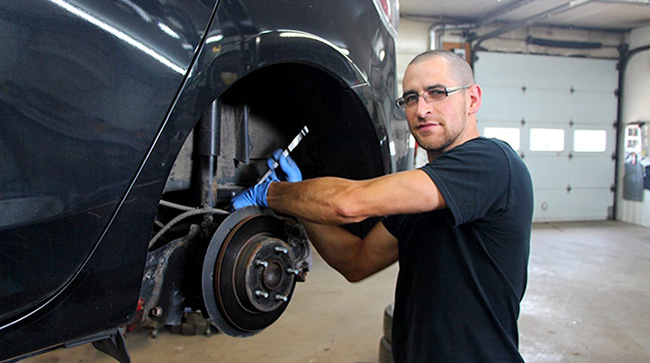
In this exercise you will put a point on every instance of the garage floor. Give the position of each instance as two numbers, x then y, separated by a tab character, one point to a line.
588	300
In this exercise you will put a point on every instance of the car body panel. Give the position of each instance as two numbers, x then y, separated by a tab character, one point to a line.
97	98
69	153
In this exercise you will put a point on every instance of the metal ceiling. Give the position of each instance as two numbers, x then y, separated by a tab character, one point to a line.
606	15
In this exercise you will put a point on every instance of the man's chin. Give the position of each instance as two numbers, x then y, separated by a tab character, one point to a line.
432	146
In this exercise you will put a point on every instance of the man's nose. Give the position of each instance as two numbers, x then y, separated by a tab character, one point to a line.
422	107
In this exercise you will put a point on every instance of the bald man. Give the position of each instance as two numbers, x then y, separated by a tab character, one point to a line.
459	226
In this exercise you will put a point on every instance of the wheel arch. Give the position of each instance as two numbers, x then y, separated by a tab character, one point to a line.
305	79
285	80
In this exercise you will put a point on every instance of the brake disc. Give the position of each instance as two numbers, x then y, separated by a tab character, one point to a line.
250	271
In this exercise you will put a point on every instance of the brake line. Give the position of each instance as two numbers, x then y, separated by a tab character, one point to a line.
182	216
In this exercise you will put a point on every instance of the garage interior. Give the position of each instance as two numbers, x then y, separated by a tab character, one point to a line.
588	289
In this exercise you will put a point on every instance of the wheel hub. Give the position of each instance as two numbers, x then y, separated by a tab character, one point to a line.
261	277
250	270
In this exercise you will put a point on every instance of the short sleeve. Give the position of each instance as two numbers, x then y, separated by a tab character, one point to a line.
473	179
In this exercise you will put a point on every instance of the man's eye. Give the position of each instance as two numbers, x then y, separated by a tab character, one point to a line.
410	98
436	92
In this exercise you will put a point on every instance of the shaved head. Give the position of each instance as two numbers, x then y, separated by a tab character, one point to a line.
444	123
461	71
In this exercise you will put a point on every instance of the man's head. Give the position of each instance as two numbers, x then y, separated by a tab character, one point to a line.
461	71
441	101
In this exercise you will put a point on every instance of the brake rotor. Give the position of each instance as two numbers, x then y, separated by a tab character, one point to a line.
249	272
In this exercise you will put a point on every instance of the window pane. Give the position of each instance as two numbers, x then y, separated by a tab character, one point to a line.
510	135
546	139
589	140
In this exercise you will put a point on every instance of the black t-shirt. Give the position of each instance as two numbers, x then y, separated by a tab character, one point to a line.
463	269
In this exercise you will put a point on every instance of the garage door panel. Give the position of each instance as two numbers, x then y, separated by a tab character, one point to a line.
543	170
572	172
513	104
589	173
515	70
601	107
500	76
563	205
546	104
502	103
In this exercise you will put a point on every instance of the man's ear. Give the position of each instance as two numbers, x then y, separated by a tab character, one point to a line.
475	94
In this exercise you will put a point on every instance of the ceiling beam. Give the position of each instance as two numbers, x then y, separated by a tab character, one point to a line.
528	21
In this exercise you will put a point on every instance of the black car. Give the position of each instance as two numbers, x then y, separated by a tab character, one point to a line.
126	126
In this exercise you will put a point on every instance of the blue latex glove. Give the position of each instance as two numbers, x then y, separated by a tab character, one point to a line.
256	195
288	167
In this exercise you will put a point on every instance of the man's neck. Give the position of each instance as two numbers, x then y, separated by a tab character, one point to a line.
434	154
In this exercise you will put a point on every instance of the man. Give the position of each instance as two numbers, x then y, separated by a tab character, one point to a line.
459	226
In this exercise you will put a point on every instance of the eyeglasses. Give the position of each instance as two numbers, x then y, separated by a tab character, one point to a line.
430	95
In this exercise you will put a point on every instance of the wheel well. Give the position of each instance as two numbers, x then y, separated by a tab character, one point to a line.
258	113
265	109
227	151
284	98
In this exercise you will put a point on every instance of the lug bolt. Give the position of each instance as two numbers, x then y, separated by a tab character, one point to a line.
281	249
281	297
157	311
261	263
293	271
261	293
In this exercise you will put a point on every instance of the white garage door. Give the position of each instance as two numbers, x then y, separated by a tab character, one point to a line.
559	114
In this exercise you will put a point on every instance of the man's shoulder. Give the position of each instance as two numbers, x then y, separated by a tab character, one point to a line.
488	144
481	150
495	148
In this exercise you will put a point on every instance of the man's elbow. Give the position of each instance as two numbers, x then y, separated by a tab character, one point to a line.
354	276
356	272
347	210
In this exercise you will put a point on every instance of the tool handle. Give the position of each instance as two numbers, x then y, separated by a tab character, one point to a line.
292	145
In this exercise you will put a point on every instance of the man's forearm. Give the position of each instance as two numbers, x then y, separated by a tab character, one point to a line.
338	201
322	200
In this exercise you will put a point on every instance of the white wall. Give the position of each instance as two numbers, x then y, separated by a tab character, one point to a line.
412	39
636	107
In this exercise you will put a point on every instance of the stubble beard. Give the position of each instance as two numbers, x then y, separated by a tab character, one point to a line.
432	145
435	143
440	142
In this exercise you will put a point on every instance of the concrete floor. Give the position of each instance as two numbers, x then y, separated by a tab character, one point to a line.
587	301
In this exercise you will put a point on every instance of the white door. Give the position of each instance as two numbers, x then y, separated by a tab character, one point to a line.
559	113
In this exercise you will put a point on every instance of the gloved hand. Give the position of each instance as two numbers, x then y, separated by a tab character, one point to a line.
256	195
289	171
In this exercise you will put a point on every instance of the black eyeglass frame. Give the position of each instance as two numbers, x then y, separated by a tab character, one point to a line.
401	102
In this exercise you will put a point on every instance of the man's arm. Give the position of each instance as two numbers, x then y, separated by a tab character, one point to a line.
323	203
338	201
353	257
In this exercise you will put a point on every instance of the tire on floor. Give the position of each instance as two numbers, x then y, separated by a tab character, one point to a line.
385	349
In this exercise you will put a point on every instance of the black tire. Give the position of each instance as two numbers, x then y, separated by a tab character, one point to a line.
385	351
388	322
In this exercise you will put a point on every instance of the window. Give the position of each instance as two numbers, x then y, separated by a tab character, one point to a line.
510	135
633	138
589	140
546	139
